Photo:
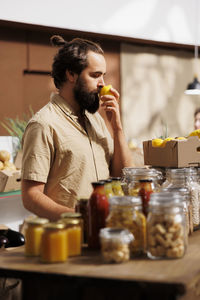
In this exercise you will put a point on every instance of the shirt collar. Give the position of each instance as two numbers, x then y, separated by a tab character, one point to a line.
61	102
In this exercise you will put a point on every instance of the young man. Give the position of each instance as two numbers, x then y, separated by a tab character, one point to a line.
67	145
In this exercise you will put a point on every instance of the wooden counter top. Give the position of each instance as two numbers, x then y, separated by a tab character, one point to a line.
183	275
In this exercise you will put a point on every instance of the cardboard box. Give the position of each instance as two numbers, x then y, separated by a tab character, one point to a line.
176	153
10	180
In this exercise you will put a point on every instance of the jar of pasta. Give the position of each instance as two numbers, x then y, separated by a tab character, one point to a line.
126	212
33	234
54	246
115	244
166	229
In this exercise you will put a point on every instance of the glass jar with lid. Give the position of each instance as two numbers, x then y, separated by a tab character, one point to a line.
115	244
54	243
187	208
186	178
126	212
82	208
194	186
74	216
166	229
116	186
98	209
137	174
108	187
74	235
33	235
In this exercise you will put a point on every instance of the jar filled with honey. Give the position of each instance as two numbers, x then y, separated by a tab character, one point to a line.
74	235
54	246
33	235
75	216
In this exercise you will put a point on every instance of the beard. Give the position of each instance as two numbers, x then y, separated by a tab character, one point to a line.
87	100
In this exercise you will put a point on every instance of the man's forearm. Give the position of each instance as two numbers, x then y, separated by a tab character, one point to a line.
41	205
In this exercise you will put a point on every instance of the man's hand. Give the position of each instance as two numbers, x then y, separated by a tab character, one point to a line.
110	104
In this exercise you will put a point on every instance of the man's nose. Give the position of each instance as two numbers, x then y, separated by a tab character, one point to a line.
101	83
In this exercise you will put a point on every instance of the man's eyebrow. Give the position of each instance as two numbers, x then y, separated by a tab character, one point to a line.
98	73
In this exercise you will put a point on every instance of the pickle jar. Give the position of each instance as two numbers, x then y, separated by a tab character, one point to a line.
115	244
54	243
116	186
74	235
137	174
33	234
108	187
166	229
126	213
75	216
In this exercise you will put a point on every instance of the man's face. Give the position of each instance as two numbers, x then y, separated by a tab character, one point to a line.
87	100
89	83
197	121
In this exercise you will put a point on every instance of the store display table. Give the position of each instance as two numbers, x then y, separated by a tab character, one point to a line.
87	277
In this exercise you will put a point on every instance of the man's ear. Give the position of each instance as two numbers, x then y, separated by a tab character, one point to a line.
71	76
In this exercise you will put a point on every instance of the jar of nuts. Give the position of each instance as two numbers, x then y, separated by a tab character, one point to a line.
166	229
126	212
115	244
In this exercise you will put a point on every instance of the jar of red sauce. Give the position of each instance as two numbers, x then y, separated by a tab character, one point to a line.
146	187
97	214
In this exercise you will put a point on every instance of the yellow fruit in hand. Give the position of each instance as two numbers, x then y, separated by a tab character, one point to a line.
195	132
157	142
166	140
105	90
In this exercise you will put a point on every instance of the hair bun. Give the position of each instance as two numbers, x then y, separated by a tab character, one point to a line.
57	40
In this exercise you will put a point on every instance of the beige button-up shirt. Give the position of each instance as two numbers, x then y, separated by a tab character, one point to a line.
59	152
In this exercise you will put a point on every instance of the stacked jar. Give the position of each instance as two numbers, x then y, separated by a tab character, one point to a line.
187	208
126	213
132	177
186	178
115	244
166	229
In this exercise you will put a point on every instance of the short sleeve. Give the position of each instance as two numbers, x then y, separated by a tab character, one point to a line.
38	152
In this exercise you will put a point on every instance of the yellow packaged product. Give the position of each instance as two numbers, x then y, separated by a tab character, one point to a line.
33	235
54	247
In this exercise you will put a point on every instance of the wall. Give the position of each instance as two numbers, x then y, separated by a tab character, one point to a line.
153	81
27	48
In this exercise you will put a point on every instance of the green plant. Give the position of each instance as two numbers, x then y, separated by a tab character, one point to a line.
16	127
165	131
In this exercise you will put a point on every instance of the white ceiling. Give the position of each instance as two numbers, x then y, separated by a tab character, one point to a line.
160	20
